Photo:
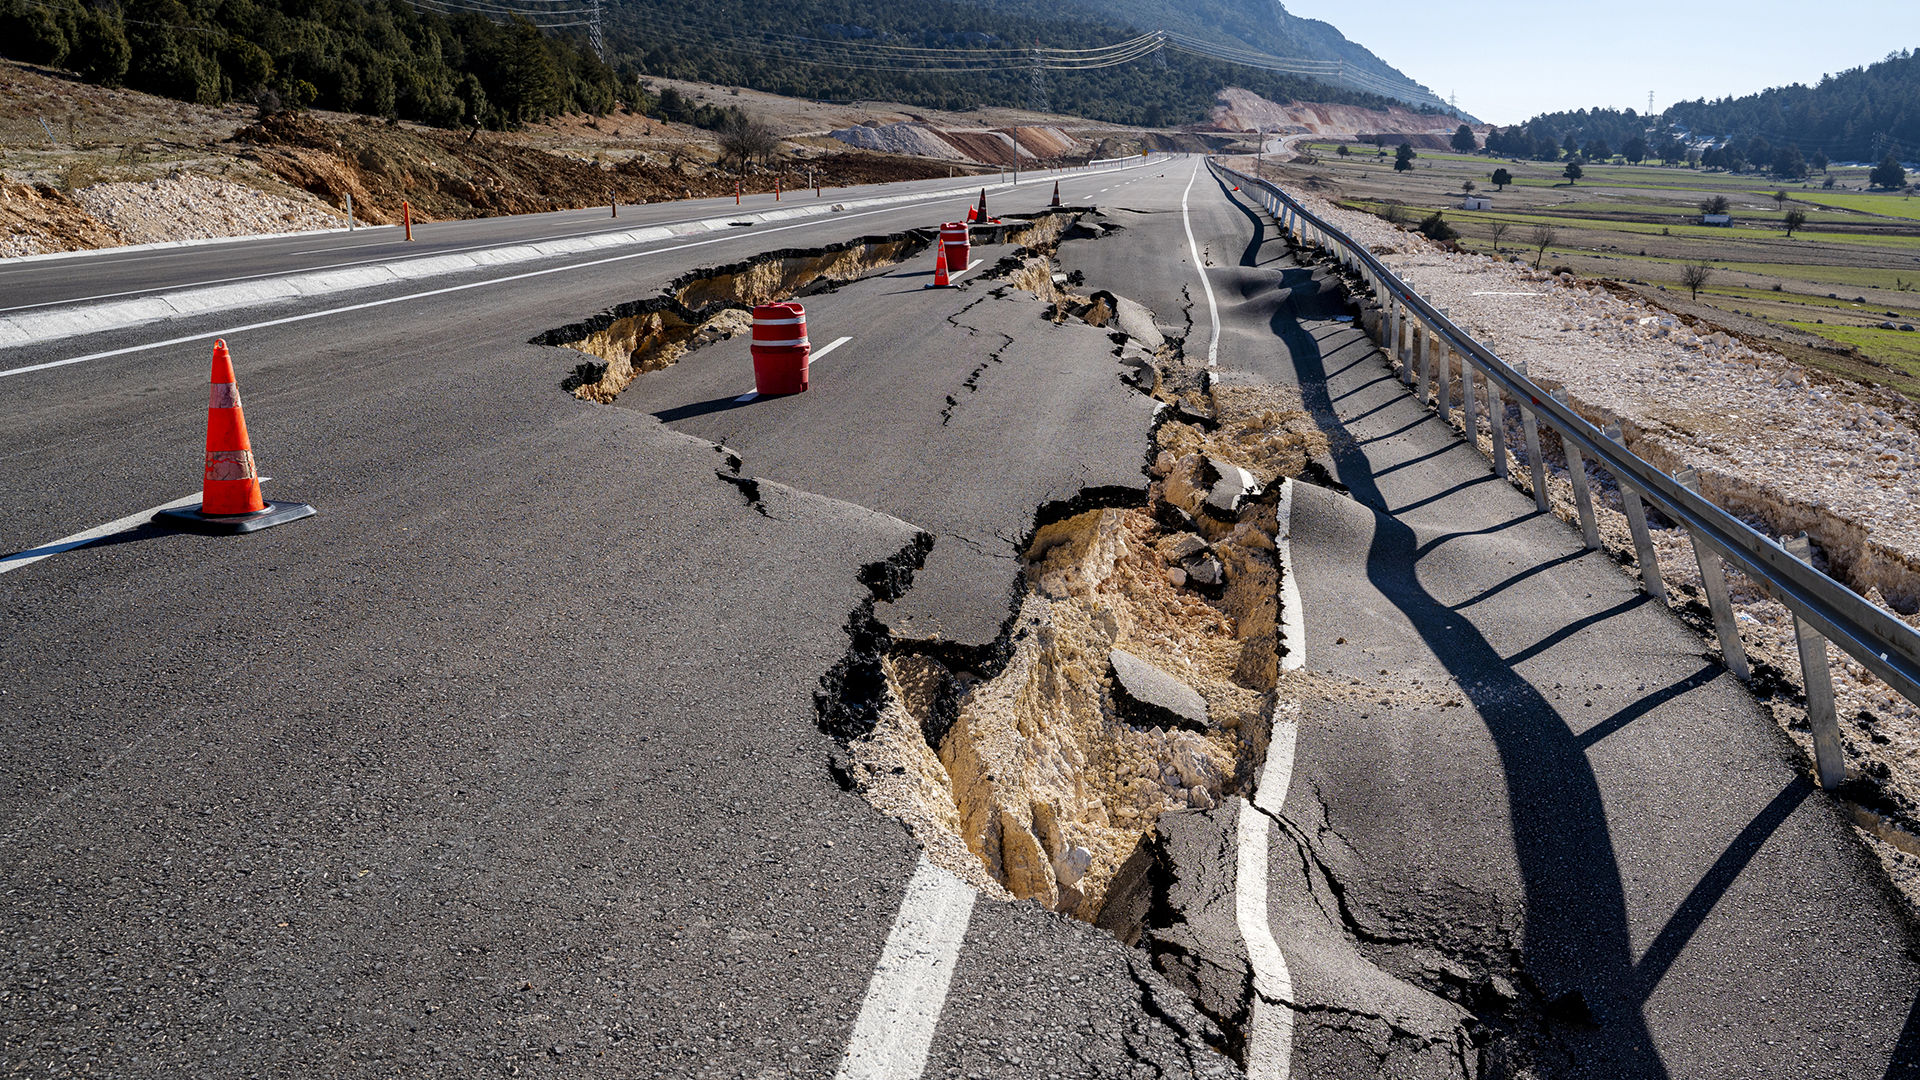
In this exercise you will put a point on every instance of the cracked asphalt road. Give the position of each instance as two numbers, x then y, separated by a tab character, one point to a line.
506	763
1524	790
960	411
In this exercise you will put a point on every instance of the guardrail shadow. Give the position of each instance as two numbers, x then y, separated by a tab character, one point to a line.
1575	936
1575	940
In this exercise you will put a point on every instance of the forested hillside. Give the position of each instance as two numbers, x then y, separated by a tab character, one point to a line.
894	50
459	68
1263	25
381	57
1857	115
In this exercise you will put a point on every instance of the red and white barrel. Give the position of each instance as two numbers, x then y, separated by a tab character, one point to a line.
780	349
953	237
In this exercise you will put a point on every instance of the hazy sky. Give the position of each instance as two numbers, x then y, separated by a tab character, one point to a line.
1509	61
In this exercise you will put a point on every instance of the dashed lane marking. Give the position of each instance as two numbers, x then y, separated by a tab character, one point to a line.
909	987
1213	309
811	360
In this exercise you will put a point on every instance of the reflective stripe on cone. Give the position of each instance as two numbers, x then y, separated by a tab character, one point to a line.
231	483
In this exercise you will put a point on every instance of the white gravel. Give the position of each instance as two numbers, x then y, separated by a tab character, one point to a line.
189	207
912	139
23	242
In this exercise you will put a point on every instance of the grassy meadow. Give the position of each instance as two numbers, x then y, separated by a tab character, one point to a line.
1819	295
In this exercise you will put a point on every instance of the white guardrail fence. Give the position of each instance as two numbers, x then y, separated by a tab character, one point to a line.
1421	337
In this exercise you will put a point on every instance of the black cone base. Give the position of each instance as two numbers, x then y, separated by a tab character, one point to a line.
190	519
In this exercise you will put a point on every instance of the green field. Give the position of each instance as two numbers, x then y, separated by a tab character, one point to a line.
1896	206
1713	233
1636	225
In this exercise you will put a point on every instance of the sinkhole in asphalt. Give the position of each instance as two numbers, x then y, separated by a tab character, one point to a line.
716	303
1135	675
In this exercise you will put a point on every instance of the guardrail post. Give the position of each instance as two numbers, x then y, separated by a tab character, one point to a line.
1497	423
1468	421
1637	522
1445	365
1829	756
1403	343
1713	578
1582	497
1531	428
1419	357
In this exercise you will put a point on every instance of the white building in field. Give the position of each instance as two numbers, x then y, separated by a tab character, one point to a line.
1477	202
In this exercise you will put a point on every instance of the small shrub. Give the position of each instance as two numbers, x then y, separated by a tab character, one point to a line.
1435	227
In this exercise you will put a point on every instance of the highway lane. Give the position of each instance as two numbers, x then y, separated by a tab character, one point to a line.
112	273
1542	778
1003	416
48	501
505	762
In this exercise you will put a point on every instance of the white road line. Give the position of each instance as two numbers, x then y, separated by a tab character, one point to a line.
909	987
81	539
811	360
1213	309
410	297
1270	1028
14	262
1293	626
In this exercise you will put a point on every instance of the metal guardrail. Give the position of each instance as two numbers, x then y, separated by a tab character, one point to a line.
1822	607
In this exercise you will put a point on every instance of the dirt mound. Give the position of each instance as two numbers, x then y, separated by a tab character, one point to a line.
1235	109
914	139
37	219
998	147
445	174
188	207
1047	143
990	147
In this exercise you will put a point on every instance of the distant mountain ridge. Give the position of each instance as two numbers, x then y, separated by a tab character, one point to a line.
953	54
1262	25
500	63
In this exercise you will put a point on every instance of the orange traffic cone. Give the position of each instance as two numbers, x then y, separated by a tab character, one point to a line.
982	215
230	499
940	279
970	214
1056	193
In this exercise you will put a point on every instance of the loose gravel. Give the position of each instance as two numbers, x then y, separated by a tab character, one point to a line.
184	206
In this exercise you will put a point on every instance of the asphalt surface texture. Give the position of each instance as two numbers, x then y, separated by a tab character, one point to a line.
507	762
1533	814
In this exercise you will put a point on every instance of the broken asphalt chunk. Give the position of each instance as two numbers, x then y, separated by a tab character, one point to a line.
1145	696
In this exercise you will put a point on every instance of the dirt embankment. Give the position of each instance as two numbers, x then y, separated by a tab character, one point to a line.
446	174
1235	109
84	166
1005	147
38	218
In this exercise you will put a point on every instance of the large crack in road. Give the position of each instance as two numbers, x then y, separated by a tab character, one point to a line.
1088	756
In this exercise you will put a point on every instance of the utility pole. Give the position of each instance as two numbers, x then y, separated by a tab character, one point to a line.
1037	86
593	34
